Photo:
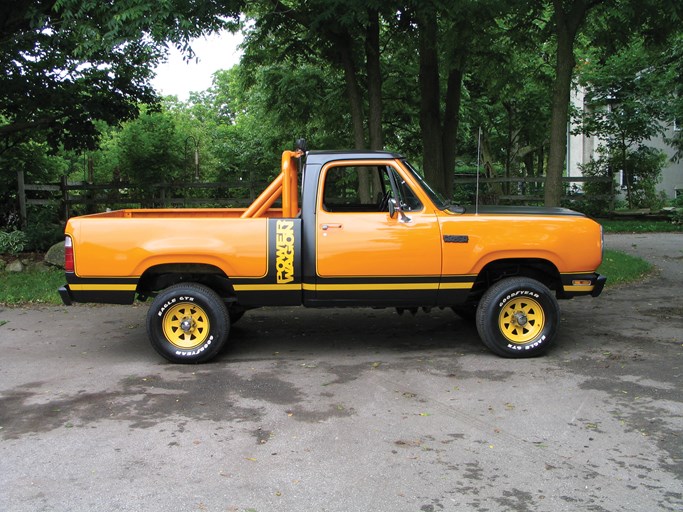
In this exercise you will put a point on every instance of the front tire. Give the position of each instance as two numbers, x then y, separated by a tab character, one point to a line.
188	323
518	317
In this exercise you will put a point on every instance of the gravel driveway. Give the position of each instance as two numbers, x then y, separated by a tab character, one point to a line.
350	410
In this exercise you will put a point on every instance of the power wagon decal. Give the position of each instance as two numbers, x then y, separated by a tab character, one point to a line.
282	283
284	246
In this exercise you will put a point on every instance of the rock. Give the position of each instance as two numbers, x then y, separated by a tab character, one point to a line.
38	266
15	266
55	255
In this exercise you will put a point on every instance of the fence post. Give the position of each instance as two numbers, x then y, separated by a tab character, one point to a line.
63	182
22	198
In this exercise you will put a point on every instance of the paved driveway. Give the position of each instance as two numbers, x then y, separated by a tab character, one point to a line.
350	410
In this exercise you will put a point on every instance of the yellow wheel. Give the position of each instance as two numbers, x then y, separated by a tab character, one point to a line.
186	325
518	317
521	320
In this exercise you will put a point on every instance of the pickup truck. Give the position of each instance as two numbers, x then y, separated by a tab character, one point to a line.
365	229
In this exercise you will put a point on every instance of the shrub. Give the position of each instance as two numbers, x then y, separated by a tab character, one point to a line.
43	230
595	197
12	242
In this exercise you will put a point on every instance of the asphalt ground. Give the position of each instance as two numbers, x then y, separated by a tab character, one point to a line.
350	410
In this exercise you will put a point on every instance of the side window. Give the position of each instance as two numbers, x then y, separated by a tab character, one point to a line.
366	189
355	189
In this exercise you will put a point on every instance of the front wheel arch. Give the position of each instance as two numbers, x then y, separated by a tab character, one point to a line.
518	317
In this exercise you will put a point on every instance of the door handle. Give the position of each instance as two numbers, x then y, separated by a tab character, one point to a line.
325	227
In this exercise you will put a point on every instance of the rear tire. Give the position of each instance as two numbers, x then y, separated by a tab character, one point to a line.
518	317
188	323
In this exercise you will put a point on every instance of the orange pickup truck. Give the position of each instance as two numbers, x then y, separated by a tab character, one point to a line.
365	229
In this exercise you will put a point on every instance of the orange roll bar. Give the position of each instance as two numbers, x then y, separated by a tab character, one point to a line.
285	186
271	193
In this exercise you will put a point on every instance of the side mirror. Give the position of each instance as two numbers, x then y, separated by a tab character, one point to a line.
395	207
392	207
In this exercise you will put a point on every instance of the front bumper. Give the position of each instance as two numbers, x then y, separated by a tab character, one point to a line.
599	285
576	285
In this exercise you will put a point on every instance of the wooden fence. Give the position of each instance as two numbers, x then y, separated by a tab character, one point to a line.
82	197
529	190
76	198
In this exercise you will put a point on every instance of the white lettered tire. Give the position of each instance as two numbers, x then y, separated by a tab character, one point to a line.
188	323
518	317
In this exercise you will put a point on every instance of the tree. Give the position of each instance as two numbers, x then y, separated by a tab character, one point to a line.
609	28
70	63
672	57
506	86
449	38
568	17
629	95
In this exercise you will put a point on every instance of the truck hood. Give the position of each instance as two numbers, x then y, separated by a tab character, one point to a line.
521	210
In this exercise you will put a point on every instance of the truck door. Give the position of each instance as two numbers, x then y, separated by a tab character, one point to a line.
364	255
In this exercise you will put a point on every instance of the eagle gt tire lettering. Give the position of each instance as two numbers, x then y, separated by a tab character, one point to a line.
188	323
518	317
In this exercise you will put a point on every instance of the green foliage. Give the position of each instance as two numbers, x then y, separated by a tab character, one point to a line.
42	232
627	98
677	215
38	165
641	170
595	197
631	93
673	53
295	80
12	242
68	63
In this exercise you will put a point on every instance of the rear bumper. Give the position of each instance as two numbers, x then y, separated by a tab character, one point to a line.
98	290
65	295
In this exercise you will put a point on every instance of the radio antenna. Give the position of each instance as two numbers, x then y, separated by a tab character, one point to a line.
476	200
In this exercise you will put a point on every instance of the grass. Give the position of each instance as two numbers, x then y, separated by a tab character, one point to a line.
31	287
621	268
640	226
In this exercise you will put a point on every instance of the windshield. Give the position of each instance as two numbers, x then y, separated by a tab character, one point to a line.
439	200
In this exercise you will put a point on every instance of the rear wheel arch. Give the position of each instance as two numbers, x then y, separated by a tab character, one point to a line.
160	277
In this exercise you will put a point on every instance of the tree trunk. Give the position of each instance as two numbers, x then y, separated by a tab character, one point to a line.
564	67
374	72
345	49
567	24
450	126
430	114
356	108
